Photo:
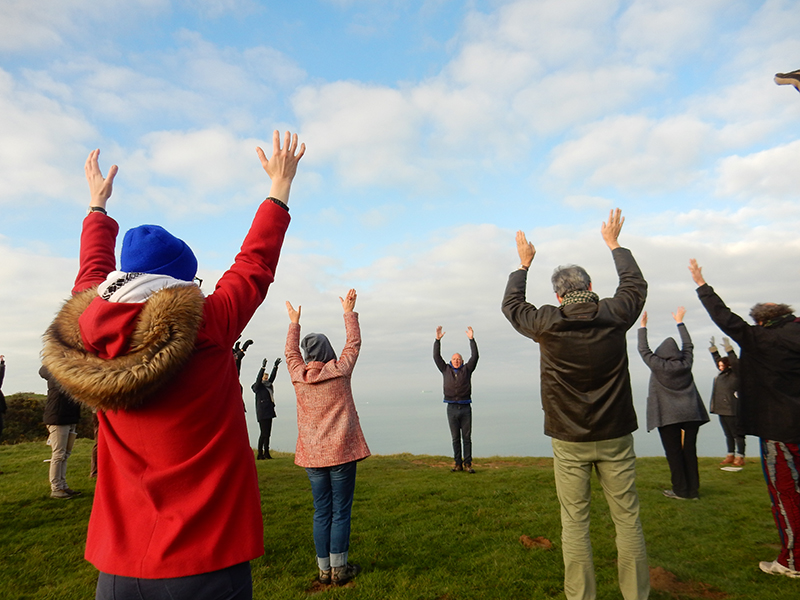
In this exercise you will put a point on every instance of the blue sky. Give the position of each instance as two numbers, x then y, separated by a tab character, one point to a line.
435	129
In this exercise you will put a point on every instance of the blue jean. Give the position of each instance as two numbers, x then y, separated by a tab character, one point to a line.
459	417
231	583
333	489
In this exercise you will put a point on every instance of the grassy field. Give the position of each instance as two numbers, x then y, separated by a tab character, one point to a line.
422	532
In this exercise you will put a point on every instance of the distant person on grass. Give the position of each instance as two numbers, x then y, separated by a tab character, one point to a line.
725	402
61	416
177	510
265	406
458	396
674	406
329	438
588	405
769	386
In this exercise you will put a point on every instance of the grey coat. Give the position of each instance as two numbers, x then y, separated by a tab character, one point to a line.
672	395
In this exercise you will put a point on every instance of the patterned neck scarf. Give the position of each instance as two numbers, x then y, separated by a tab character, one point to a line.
579	297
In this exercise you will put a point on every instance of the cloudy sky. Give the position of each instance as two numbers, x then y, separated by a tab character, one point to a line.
434	130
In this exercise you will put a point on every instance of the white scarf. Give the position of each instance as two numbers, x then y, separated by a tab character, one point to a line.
135	288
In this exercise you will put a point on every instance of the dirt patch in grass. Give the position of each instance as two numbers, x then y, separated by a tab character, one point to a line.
664	581
537	542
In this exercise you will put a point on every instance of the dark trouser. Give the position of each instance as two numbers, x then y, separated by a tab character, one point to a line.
734	442
459	416
263	438
232	583
682	457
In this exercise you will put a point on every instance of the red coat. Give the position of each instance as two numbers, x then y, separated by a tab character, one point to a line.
177	490
328	429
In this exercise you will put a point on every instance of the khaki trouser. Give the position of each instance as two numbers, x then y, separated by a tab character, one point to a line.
62	439
615	463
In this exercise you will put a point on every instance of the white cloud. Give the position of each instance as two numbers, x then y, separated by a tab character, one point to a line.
42	141
634	152
768	174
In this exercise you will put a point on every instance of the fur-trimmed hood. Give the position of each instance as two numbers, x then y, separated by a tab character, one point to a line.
161	343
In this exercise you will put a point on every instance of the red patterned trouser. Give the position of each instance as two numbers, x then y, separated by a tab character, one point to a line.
781	464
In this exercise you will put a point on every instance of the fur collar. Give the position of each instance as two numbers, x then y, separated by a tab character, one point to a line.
162	343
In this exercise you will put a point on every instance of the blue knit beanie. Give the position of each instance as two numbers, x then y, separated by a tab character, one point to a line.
153	249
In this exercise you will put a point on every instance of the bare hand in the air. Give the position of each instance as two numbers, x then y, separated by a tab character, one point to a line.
349	301
282	165
99	187
678	314
439	333
644	319
470	333
611	229
525	249
294	315
697	272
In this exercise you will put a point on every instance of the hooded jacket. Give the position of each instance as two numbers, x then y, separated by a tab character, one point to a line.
769	371
328	429
60	408
586	386
177	492
672	395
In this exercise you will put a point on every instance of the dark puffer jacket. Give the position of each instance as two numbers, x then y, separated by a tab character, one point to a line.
769	370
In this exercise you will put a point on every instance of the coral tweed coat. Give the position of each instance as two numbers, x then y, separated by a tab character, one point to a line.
177	490
328	430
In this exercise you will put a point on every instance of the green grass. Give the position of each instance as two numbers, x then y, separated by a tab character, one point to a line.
421	532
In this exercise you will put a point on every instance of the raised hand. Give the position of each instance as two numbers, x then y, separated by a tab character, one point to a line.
99	187
439	332
525	249
697	272
644	319
294	315
282	165
470	333
349	301
678	314
610	230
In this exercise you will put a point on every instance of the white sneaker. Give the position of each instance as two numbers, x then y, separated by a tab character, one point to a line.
776	568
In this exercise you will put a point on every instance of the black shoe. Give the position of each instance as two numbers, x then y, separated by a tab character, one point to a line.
72	492
324	577
792	78
341	575
469	469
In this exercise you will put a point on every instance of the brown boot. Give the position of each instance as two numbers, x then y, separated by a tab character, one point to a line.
738	461
728	460
457	467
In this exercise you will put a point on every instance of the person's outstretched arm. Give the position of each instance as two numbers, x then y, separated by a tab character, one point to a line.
520	313
294	359
473	351
243	287
99	233
687	348
274	370
437	350
631	292
349	355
